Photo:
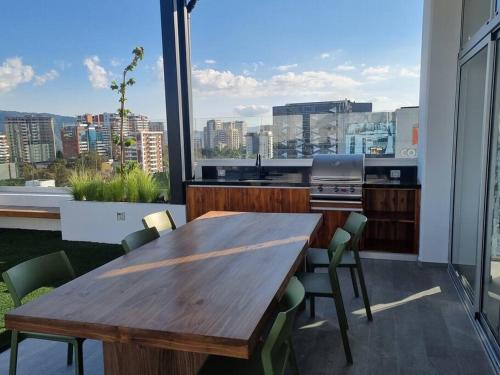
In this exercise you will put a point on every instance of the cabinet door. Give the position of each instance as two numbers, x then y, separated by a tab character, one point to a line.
334	216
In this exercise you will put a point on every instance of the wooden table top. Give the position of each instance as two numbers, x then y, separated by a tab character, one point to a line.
207	287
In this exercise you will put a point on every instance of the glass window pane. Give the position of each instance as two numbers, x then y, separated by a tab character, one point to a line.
475	15
468	168
67	118
302	90
491	305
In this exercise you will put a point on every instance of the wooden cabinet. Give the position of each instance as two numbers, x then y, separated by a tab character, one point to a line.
393	213
393	219
335	214
201	199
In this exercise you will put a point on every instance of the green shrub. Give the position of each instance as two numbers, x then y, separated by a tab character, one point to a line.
132	188
114	190
137	186
79	182
94	189
149	190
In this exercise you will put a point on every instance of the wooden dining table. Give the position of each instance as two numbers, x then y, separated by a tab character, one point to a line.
208	287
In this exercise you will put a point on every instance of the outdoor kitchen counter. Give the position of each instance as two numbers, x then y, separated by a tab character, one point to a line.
391	184
250	182
294	183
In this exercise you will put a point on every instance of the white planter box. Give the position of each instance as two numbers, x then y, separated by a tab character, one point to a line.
109	222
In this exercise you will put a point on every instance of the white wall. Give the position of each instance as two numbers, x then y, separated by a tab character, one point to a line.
33	196
98	221
440	46
36	197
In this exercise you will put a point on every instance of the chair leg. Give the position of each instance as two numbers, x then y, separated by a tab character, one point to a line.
339	306
79	357
14	341
354	282
293	358
313	309
69	356
364	292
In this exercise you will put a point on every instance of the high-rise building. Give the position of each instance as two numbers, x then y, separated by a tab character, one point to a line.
371	133
71	137
242	129
147	151
266	144
210	133
138	123
232	136
82	138
86	118
31	138
407	132
301	130
4	149
251	144
150	151
157	126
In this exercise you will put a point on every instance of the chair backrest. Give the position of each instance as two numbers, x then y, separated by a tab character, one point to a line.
355	225
139	238
339	237
50	270
337	247
276	350
160	220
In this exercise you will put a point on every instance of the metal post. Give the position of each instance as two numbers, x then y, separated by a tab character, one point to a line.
177	73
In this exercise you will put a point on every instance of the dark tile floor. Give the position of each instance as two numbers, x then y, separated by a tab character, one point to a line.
420	327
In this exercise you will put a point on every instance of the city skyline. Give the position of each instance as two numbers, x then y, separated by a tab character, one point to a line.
279	64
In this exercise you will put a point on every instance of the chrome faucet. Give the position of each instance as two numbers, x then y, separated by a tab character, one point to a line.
258	164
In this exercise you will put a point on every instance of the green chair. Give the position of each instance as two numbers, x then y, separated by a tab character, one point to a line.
276	352
327	285
139	238
160	220
49	270
318	258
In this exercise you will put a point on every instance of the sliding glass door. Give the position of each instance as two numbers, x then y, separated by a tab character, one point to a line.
491	280
469	164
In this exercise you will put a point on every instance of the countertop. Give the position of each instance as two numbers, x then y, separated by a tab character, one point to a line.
377	183
266	183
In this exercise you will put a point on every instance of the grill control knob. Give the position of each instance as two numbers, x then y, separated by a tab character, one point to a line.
336	189
352	190
320	188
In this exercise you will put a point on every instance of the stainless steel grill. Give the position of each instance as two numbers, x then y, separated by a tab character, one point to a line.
337	177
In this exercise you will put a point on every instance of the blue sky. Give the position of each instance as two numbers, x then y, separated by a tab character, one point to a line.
59	56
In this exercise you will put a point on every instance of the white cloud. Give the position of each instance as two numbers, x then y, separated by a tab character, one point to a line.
214	82
158	68
251	110
345	68
325	55
412	72
376	73
285	68
98	76
311	82
44	78
254	66
115	62
13	72
376	70
247	72
210	61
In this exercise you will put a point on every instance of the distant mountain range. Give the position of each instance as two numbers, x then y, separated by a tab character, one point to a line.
59	121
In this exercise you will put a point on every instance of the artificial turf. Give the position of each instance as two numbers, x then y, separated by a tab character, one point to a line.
18	245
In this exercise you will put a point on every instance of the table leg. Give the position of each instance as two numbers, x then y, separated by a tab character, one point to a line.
133	359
